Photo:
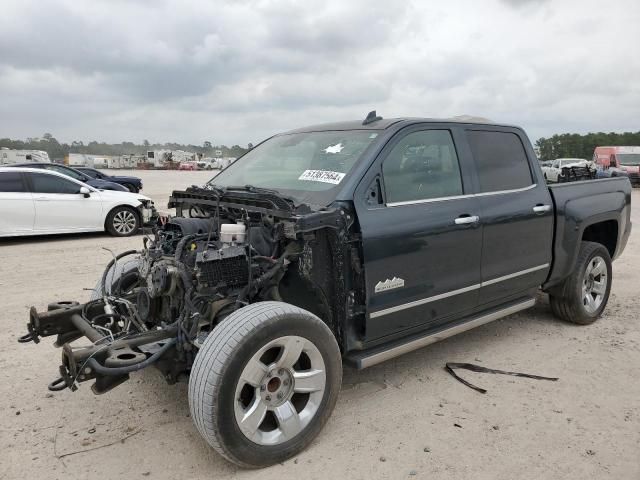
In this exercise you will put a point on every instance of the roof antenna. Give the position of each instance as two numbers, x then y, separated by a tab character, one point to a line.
371	117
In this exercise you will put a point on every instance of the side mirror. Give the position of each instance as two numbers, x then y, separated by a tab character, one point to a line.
85	191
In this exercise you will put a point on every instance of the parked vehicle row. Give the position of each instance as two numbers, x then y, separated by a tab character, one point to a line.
621	159
36	201
568	169
131	184
356	241
75	174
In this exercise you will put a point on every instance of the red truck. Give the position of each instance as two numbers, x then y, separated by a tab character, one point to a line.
625	158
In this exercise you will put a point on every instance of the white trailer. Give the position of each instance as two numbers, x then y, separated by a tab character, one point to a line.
9	156
160	158
79	160
224	162
128	160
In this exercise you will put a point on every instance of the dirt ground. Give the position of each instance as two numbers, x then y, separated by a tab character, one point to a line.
406	418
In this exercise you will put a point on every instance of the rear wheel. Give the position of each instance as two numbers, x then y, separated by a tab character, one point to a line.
584	295
264	383
122	222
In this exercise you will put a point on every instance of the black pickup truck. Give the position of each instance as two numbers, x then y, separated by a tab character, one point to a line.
355	241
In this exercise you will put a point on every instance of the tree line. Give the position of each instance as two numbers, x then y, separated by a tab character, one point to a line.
57	150
574	145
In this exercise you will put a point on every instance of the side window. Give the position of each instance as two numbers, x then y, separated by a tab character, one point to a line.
421	166
11	182
43	183
501	160
91	173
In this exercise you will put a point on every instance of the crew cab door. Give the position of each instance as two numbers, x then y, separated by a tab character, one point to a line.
422	241
17	211
60	206
517	215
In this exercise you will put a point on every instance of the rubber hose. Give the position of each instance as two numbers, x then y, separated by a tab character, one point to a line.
109	265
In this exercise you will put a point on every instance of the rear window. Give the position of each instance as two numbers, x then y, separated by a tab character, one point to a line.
501	160
67	171
11	182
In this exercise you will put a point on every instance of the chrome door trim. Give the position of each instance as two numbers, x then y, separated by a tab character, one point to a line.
456	197
513	275
376	358
423	301
428	200
502	192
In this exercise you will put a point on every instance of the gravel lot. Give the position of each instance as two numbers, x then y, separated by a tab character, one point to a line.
406	418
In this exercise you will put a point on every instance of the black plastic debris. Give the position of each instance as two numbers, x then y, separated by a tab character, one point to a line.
451	367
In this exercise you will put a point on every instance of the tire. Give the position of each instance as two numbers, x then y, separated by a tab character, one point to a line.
592	279
124	276
122	221
252	343
130	187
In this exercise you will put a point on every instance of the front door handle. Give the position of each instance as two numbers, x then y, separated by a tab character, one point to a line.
467	219
541	208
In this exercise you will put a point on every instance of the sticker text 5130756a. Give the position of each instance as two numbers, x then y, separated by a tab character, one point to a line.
325	176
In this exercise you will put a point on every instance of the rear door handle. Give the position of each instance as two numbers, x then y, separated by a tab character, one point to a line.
467	219
541	208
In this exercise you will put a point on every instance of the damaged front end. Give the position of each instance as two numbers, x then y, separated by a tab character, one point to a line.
225	249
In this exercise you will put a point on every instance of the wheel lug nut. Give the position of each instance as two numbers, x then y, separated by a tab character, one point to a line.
268	398
281	372
285	383
280	395
263	388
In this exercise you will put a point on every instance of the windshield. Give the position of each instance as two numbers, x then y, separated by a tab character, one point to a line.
628	158
305	166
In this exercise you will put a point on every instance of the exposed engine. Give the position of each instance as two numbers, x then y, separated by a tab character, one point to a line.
157	305
197	270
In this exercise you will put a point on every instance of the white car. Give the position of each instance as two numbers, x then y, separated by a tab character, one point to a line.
553	172
39	202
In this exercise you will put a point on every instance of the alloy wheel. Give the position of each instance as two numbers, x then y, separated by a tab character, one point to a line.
594	284
280	390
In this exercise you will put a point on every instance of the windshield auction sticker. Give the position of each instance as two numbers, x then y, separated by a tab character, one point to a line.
324	176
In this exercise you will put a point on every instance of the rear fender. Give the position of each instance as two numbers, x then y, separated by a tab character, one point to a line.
573	218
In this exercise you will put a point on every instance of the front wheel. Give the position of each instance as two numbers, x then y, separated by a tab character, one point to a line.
122	222
585	293
264	383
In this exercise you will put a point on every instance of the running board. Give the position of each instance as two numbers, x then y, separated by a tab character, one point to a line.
367	359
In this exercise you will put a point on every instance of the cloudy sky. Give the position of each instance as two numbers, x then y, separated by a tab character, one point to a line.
238	71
